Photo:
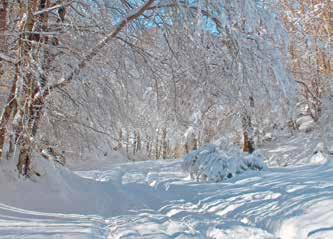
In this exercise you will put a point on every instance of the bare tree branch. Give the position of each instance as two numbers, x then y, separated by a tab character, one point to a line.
8	59
50	9
308	90
95	50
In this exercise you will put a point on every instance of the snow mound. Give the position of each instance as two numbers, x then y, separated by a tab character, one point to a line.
210	164
58	189
316	221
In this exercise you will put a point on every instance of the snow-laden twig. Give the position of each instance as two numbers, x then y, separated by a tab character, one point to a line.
99	46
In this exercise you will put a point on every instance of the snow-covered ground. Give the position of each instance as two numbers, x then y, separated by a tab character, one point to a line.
301	149
156	199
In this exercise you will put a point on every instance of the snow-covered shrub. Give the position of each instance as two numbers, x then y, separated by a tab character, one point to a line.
210	164
305	123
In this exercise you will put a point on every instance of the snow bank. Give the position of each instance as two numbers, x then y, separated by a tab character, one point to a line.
315	222
210	164
300	149
60	190
153	199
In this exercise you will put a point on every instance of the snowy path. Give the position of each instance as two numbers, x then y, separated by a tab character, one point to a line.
19	223
280	203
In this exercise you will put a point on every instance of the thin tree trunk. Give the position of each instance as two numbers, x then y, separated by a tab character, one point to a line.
195	143
120	140
148	146
248	134
7	109
138	141
127	142
134	142
248	143
3	24
157	153
5	116
186	148
24	161
164	143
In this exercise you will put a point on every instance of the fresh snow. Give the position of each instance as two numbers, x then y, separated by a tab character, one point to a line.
303	149
157	199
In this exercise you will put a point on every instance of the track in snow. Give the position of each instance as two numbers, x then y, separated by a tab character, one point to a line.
286	203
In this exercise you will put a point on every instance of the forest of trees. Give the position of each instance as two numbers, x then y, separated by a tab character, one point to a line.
158	78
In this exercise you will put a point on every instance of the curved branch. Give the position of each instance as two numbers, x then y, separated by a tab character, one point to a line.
99	46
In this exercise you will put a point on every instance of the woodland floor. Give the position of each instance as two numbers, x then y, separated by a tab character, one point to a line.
155	199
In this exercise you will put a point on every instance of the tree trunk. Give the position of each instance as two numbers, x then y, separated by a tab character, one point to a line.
3	29
138	141
148	146
157	153
134	142
3	24
248	142
127	142
164	143
187	150
5	116
120	140
25	99
195	143
24	159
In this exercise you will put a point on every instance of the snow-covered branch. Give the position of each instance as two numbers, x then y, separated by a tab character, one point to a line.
55	7
99	46
8	59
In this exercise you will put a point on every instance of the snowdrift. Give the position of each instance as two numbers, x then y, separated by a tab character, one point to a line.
210	164
60	190
154	199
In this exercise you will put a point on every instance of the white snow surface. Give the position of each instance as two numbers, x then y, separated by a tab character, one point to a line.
298	150
156	199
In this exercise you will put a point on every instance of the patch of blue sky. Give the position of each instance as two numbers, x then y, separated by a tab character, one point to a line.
163	16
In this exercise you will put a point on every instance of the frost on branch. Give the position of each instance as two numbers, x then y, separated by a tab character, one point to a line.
210	164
